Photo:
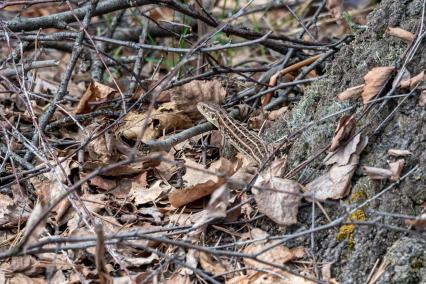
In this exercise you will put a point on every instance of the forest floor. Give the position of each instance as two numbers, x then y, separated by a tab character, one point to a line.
311	168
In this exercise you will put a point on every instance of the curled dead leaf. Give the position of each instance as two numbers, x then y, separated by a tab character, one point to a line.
161	121
345	129
200	183
412	82
185	97
351	93
399	152
400	33
281	203
335	184
95	92
377	173
393	173
277	255
396	169
422	99
335	7
375	79
419	223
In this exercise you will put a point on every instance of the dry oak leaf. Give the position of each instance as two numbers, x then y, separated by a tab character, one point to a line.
95	92
277	255
335	184
400	33
335	7
326	273
399	152
393	173
11	213
216	208
277	277
153	125
376	173
396	169
419	223
142	195
412	82
375	79
165	170
281	204
200	183
345	129
150	161
186	96
209	264
351	93
422	99
343	154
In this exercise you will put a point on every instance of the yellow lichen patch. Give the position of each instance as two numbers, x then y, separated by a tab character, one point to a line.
347	231
358	196
358	215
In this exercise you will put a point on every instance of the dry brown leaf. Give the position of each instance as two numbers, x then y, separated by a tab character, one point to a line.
278	166
11	213
164	120
200	183
422	99
94	203
419	223
186	96
216	208
179	279
137	167
277	114
345	129
95	92
335	184
393	173
101	149
375	79
32	220
19	278
377	173
281	204
103	183
351	93
254	234
412	82
399	152
165	170
326	273
278	277
400	33
396	169
335	7
142	195
343	154
191	261
211	265
278	255
259	122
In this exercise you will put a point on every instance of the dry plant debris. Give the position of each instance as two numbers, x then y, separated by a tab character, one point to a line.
109	174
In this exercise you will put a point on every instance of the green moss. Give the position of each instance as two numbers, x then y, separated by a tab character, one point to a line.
417	264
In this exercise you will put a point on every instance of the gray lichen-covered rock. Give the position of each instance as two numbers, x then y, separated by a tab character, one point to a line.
405	261
355	255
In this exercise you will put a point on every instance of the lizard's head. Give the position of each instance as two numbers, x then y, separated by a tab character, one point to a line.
210	111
